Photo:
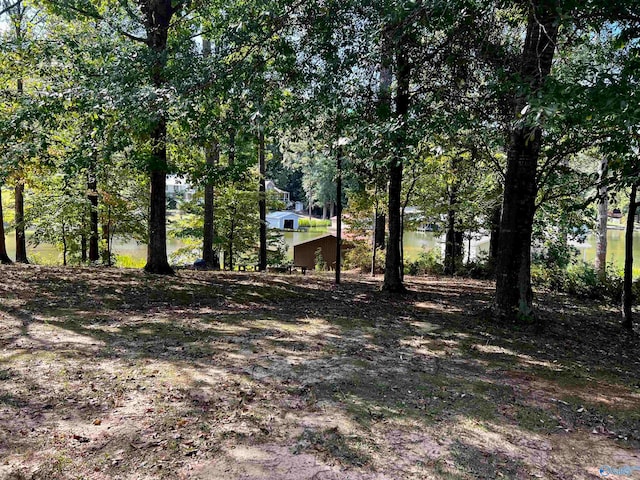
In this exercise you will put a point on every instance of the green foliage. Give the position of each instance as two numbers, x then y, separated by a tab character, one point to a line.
427	263
305	222
579	278
320	263
359	257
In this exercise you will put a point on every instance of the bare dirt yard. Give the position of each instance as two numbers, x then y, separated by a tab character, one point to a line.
115	374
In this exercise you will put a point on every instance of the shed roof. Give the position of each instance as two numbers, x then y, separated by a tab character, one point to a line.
282	214
315	239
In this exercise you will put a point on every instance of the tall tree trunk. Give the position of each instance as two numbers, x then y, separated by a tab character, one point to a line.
212	158
64	245
513	273
374	244
603	213
106	236
627	287
209	255
230	248
21	239
4	258
17	17
393	265
262	203
83	244
338	212
494	239
453	238
92	193
157	15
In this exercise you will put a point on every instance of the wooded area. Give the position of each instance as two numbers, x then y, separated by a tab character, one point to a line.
515	122
488	116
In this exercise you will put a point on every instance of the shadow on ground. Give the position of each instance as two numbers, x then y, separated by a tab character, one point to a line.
116	374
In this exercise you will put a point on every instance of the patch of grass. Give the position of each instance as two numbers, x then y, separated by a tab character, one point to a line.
333	444
566	378
482	464
535	419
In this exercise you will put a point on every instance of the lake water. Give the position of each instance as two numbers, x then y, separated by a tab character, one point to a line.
414	244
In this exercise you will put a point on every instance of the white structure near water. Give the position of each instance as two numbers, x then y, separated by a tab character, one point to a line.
283	220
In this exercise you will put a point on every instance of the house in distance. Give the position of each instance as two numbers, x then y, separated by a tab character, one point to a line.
283	220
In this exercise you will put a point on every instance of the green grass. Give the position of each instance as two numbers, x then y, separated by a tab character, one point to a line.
313	222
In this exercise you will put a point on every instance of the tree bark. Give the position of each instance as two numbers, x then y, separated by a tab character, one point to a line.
4	258
338	213
21	239
106	236
209	255
262	204
627	286
393	264
514	295
601	230
494	239
453	238
92	193
157	14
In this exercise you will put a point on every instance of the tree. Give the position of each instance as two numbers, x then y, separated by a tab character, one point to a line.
513	270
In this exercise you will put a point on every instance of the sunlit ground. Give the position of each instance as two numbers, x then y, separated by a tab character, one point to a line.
116	374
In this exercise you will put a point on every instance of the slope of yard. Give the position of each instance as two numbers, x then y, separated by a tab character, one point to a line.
114	374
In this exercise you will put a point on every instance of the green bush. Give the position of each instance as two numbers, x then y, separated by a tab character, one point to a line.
579	278
427	263
359	257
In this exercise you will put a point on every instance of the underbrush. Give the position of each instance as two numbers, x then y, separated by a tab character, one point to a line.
580	278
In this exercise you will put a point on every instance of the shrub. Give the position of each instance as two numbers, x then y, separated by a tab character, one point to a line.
579	278
359	257
427	263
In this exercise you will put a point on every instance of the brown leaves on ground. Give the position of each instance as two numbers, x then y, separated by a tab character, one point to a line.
108	373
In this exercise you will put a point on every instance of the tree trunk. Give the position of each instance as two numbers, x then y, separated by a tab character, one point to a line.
453	241
324	211
494	239
374	245
157	14
64	245
92	193
83	244
231	234
338	213
601	230
4	258
212	158
106	236
453	238
262	204
21	239
209	255
627	287
393	265
513	271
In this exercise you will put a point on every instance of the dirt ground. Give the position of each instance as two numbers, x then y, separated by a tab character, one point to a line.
115	374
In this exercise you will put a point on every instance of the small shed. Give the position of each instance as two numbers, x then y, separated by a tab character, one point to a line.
283	220
304	253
